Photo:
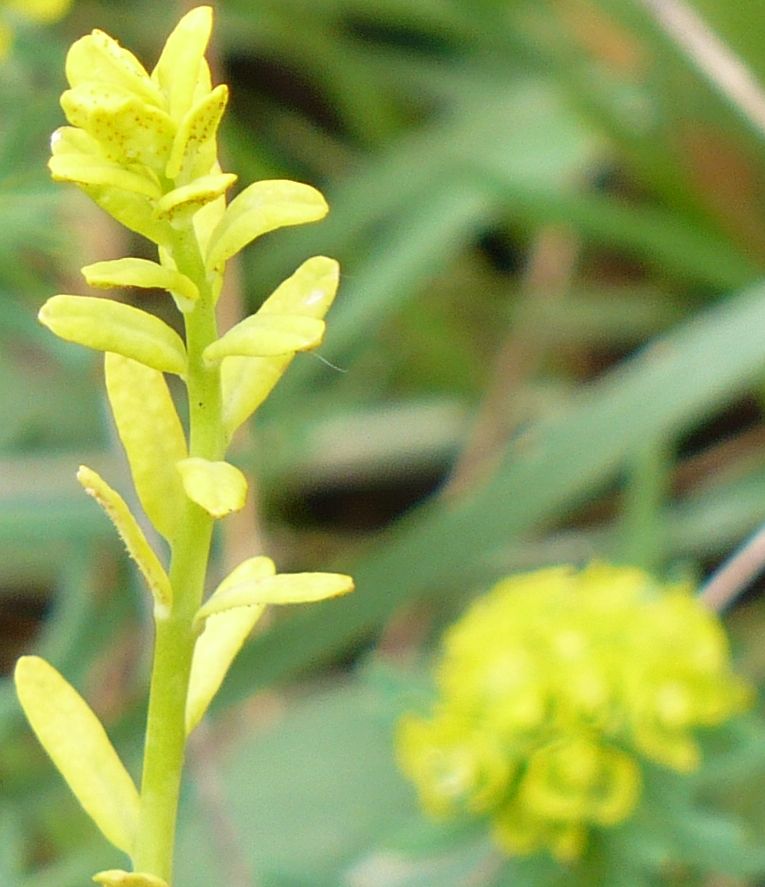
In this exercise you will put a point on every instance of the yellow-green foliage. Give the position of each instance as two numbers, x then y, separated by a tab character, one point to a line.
143	146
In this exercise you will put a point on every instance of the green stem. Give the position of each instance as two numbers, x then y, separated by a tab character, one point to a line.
174	641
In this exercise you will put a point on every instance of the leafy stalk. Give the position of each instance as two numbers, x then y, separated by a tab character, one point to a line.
144	148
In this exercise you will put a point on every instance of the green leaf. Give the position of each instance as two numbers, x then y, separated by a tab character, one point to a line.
267	335
152	435
106	325
77	743
260	208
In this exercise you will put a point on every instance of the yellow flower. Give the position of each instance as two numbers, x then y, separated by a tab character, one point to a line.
553	687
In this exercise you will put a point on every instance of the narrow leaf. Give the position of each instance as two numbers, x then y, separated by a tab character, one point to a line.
77	743
215	650
144	274
218	487
152	435
221	640
131	534
284	588
266	335
111	326
262	207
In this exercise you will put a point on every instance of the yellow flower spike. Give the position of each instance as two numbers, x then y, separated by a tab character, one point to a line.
246	382
283	588
260	208
266	335
131	534
181	64
144	274
194	150
220	641
178	205
218	487
119	878
106	325
98	58
152	435
77	743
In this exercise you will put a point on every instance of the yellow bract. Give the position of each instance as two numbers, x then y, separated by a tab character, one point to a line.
218	487
142	131
553	687
145	274
72	735
106	325
260	208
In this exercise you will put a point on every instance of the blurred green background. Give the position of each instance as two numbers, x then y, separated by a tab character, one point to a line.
549	346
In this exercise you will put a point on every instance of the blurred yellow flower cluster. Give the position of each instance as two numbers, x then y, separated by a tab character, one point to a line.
42	11
553	686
